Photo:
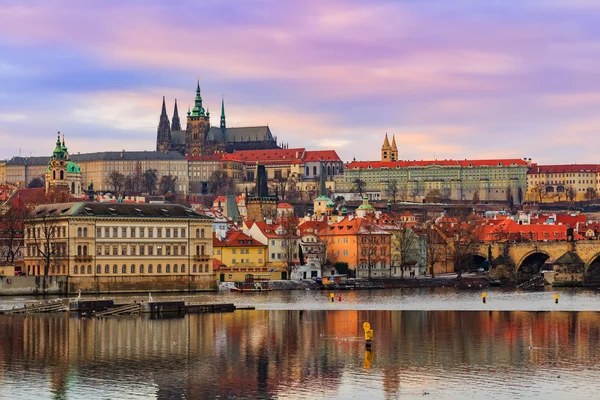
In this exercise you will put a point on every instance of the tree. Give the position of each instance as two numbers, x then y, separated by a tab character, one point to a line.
520	195
370	251
116	180
149	181
539	191
359	186
433	196
11	231
571	193
392	190
42	231
476	198
445	195
279	186
134	182
37	182
509	197
167	184
219	183
434	247
464	241
290	240
293	194
404	248
590	193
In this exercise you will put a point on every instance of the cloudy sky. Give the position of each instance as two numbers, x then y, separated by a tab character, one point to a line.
451	79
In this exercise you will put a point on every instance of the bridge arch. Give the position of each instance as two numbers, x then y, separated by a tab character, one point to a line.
592	269
531	264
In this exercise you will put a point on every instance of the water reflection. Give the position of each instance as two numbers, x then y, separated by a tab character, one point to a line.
303	354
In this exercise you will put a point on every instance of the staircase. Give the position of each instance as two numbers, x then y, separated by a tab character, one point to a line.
533	283
120	310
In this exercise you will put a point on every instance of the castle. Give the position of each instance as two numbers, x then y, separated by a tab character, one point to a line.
200	138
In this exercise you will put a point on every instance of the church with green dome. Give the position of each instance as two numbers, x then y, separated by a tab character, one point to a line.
61	172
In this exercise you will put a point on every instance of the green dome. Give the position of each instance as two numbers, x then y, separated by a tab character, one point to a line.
72	167
365	205
330	204
322	198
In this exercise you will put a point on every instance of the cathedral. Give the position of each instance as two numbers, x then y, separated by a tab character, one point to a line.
200	138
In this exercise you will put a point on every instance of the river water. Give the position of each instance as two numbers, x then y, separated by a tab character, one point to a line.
298	345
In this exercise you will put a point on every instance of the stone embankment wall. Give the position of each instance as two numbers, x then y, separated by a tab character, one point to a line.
61	285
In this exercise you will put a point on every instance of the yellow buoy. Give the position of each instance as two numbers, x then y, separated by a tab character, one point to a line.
483	297
555	298
332	297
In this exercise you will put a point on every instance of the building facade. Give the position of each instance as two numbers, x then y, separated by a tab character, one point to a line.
102	240
574	182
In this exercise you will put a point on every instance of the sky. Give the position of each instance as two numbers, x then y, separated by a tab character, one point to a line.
450	79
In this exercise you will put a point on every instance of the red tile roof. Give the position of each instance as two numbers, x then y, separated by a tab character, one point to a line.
285	205
267	229
563	168
510	230
233	239
443	163
321	155
215	157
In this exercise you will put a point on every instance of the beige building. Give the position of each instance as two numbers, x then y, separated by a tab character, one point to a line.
550	183
21	170
118	239
2	170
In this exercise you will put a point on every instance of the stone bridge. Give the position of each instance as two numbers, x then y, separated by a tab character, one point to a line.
579	261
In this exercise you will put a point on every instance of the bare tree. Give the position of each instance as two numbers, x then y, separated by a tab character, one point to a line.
590	193
293	194
42	231
134	182
279	186
150	179
464	241
37	182
476	198
369	248
434	247
11	231
359	186
116	180
433	196
392	190
404	247
290	240
167	184
445	195
220	183
539	191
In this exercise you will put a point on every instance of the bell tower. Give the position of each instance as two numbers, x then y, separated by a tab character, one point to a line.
394	152
386	150
198	125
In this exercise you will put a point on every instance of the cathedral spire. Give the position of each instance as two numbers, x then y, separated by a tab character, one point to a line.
223	125
163	133
198	110
394	152
175	124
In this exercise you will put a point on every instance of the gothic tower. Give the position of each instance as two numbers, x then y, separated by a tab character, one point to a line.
163	135
223	125
176	124
198	125
394	153
386	150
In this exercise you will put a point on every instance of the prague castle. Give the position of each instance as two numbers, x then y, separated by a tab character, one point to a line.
200	138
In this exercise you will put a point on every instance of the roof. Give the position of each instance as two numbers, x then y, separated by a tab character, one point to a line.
43	160
440	163
263	156
354	226
508	229
563	168
236	239
285	205
321	155
127	155
216	157
268	229
241	134
117	210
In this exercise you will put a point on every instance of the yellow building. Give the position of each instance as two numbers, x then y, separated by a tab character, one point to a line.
237	255
107	240
574	182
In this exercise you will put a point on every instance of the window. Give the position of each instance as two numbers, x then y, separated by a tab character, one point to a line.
197	233
142	232
183	250
133	269
132	250
272	256
85	250
159	268
158	250
259	251
89	269
150	268
168	268
150	232
115	232
106	250
182	268
202	233
124	269
175	268
206	268
115	269
115	251
132	230
346	252
175	233
99	250
182	232
175	250
142	250
233	261
79	250
272	243
195	269
168	232
233	251
158	232
98	232
78	232
106	269
123	232
142	269
123	250
168	250
260	260
75	270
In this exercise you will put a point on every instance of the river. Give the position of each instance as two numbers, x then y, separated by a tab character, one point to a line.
299	345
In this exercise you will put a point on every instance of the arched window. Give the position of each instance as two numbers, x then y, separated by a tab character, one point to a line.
159	269
197	250
150	268
72	187
84	232
202	250
182	268
79	250
307	171
98	269
315	171
62	175
175	268
197	233
202	233
115	269
328	170
195	269
79	232
133	269
89	269
85	250
206	268
142	269
168	269
75	270
106	269
54	174
124	269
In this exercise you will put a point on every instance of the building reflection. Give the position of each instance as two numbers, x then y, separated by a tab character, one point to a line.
264	354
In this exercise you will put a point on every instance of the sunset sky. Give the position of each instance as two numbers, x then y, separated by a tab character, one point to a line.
451	79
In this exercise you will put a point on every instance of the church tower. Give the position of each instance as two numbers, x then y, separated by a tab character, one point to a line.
223	124
63	173
176	124
198	125
394	153
386	150
322	205
163	135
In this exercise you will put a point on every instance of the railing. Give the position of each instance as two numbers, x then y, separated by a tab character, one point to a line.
83	258
201	258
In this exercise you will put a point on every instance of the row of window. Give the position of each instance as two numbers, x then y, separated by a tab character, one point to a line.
133	269
132	232
60	250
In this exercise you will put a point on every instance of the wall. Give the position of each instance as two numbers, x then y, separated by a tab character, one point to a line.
32	285
142	284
